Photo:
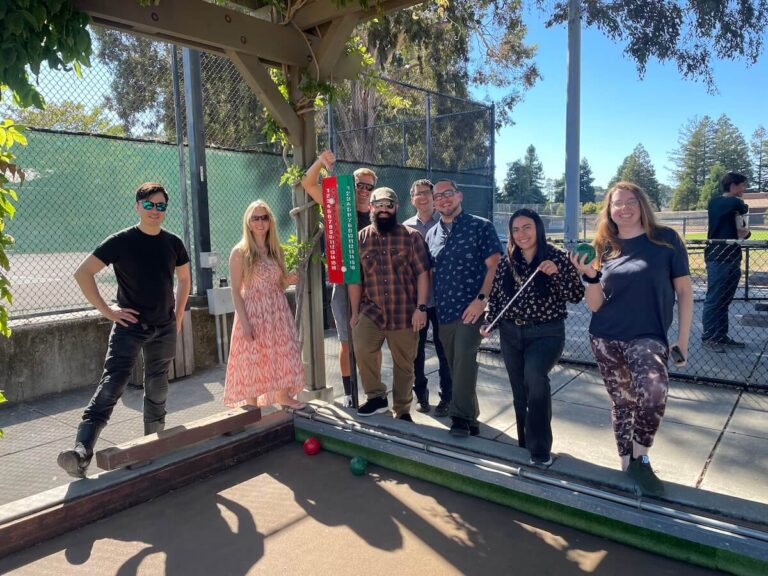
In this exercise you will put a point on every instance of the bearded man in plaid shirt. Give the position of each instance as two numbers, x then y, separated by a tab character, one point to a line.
390	303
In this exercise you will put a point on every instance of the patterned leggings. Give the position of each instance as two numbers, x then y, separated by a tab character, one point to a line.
635	375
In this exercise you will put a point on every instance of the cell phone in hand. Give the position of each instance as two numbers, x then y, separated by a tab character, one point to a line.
677	354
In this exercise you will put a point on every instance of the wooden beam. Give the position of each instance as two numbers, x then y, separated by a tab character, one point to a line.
323	11
203	26
261	83
154	445
333	43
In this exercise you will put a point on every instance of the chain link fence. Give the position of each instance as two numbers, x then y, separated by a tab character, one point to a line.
125	122
745	315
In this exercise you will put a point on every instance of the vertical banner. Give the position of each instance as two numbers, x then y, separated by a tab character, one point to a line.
348	228
333	249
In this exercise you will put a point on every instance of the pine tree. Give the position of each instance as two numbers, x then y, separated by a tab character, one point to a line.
759	149
524	180
638	168
685	196
694	156
729	148
586	190
711	186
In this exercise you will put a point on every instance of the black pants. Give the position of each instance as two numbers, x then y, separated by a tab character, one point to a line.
125	342
420	380
530	352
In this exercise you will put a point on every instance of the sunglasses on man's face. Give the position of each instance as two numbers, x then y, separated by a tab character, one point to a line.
148	205
257	218
386	204
364	186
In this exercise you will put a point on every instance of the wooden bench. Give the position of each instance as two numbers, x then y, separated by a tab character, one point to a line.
146	448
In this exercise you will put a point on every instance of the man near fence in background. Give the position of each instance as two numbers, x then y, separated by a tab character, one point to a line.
426	217
147	317
465	252
723	262
388	304
365	181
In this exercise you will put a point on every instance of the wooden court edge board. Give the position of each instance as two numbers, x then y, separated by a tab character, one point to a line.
154	445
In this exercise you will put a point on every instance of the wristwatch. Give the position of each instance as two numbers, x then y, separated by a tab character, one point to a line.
481	296
421	307
595	280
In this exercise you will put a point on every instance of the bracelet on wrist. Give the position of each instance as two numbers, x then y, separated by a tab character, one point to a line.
595	280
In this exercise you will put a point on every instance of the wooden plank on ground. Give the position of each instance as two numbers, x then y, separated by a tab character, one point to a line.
155	445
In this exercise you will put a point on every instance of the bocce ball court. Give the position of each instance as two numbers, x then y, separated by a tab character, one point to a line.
250	500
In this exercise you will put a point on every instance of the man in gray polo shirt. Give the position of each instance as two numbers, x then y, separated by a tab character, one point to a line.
426	217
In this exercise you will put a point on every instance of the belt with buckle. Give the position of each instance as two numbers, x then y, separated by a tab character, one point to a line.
520	322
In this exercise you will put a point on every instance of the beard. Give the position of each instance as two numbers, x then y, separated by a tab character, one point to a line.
384	223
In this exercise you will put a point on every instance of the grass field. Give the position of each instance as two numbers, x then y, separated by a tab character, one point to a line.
756	235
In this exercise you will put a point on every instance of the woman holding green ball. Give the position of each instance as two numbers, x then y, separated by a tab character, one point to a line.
532	328
639	270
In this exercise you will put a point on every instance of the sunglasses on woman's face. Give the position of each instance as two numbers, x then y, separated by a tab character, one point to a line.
257	218
148	205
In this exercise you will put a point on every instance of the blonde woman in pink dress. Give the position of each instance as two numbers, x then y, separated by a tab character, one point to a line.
265	357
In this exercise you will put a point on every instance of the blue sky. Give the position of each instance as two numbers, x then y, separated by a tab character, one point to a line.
618	110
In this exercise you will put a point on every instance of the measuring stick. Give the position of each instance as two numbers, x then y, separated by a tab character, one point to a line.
490	326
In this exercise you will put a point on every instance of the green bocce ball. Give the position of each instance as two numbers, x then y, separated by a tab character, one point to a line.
358	465
582	249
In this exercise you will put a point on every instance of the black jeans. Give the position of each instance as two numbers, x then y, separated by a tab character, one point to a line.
420	380
125	342
722	282
530	352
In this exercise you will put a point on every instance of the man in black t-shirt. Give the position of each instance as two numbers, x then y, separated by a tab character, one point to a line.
723	262
147	317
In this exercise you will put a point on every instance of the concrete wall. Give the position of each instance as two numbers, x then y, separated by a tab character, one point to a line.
60	353
56	354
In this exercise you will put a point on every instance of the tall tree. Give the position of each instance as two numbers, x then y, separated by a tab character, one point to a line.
694	154
711	187
560	189
759	149
729	148
638	168
690	33
586	189
685	196
524	180
69	116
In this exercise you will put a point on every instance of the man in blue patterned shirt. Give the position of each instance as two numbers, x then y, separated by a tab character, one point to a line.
465	251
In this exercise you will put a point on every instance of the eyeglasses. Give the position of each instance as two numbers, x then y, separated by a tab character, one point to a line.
388	204
148	205
364	186
422	193
627	203
257	218
446	194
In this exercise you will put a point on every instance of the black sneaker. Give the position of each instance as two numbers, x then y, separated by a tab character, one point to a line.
733	343
539	463
459	428
376	405
423	403
713	346
74	462
474	429
442	409
641	472
405	417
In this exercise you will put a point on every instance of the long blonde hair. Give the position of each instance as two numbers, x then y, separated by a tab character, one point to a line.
607	242
248	247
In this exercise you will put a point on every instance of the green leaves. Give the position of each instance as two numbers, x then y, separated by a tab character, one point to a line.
10	134
36	32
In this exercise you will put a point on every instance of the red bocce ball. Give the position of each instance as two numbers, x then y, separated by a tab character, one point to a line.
311	446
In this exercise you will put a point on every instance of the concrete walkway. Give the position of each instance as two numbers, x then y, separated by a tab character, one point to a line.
712	450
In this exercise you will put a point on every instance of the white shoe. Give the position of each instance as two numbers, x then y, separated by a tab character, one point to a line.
347	401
